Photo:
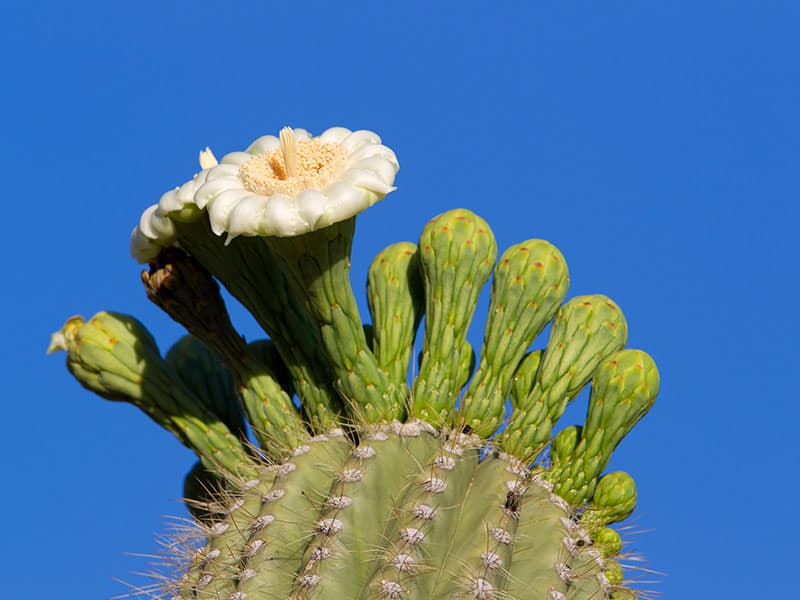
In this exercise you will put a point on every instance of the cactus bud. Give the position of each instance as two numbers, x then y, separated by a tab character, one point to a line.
614	500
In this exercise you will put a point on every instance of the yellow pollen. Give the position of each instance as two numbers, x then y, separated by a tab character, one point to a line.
298	165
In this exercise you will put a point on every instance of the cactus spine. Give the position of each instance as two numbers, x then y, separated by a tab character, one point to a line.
374	488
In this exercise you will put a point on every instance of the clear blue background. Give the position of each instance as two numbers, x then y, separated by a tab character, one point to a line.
656	143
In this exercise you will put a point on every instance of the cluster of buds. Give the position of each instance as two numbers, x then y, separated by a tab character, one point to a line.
324	470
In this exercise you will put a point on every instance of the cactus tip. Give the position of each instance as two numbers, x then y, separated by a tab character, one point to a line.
59	339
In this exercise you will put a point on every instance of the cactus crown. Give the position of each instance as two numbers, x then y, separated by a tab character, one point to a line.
368	485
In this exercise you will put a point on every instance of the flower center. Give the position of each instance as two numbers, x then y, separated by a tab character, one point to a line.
298	165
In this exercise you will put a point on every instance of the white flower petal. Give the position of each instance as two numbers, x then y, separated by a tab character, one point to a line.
372	150
311	206
367	179
334	135
186	192
247	215
207	192
264	144
219	208
281	218
384	169
360	138
223	171
169	201
236	158
143	249
344	201
157	226
163	227
200	178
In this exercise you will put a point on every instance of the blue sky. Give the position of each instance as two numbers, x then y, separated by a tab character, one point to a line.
655	143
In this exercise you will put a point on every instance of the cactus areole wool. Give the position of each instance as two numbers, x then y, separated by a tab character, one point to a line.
324	470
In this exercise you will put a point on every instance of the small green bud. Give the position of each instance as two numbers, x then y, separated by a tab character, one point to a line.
525	376
607	541
110	354
564	444
613	572
396	298
457	252
115	356
585	331
614	500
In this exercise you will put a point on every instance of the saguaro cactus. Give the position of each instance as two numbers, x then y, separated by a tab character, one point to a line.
356	482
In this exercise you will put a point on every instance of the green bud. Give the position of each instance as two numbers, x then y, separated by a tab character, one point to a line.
607	541
396	300
525	376
564	444
613	572
614	500
457	251
530	281
115	356
586	330
624	388
110	354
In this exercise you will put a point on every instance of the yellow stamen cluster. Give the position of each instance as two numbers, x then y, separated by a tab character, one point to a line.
297	166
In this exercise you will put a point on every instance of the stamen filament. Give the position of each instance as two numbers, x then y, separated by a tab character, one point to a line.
289	151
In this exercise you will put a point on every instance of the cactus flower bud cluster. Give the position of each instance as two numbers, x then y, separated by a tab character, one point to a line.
324	470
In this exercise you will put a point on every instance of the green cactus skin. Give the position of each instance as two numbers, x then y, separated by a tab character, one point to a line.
396	302
214	566
251	273
319	264
543	545
202	373
587	576
289	518
433	507
362	494
481	546
375	490
187	292
276	423
457	253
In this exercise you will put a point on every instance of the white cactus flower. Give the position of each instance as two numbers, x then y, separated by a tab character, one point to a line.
279	186
294	184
